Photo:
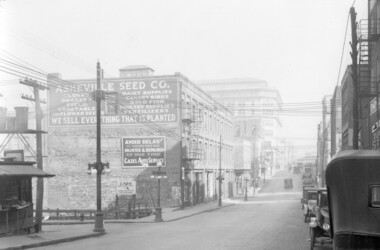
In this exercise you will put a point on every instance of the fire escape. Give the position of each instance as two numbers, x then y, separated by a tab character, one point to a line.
192	120
368	35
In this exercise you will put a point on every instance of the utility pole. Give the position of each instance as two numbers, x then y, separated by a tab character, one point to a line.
40	183
355	102
220	172
182	163
98	165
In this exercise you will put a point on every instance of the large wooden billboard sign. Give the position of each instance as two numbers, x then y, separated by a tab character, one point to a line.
131	101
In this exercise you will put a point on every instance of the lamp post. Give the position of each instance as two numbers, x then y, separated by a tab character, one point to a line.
220	172
98	166
246	189
158	175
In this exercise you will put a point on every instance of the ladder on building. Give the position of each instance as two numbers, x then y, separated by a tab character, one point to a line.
368	87
192	118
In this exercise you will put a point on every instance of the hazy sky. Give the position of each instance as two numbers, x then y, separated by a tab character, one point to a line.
295	45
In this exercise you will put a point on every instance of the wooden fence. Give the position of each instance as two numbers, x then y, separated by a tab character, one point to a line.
132	211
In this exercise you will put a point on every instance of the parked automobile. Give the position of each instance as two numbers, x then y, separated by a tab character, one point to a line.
320	232
309	201
288	183
307	181
304	194
353	184
296	170
308	174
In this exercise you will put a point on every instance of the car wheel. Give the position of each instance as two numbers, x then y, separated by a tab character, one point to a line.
312	238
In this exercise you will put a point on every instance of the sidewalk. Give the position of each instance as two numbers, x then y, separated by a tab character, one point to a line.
69	230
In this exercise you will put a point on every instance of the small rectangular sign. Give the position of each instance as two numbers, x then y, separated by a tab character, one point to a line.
143	151
126	187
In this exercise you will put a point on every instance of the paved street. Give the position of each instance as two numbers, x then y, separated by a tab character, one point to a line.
270	220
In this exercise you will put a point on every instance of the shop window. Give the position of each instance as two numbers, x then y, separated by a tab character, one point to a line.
375	196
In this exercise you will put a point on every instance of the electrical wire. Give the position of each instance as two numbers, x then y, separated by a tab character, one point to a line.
344	43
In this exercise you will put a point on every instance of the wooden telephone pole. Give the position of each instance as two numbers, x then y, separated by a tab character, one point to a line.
40	183
220	172
355	100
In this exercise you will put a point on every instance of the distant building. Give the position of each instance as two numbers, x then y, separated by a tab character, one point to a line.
336	121
136	71
347	120
242	164
145	119
368	77
324	140
255	107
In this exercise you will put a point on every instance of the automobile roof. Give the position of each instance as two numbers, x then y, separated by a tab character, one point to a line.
355	154
311	189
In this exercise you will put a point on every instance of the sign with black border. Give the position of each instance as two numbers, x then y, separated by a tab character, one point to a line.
143	151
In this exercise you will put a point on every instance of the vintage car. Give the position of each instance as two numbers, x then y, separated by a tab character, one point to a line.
307	173
307	181
353	184
308	201
296	170
320	232
304	193
288	183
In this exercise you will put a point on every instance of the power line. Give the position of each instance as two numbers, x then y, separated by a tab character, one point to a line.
344	42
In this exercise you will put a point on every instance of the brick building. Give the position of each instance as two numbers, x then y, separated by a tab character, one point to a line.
255	106
145	119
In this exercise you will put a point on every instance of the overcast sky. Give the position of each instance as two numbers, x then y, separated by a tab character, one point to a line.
294	45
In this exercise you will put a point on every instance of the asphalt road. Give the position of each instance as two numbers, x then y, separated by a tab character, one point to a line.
271	220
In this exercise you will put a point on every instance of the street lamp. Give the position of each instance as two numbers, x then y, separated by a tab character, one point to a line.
98	168
158	175
220	178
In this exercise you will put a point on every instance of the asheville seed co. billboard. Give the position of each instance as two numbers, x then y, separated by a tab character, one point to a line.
127	101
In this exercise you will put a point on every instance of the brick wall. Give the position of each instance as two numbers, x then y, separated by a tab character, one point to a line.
70	149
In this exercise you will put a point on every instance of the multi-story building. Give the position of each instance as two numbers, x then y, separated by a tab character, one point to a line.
145	119
242	164
324	140
336	121
369	77
347	121
255	107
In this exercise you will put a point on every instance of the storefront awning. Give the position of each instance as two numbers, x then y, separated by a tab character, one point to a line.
22	170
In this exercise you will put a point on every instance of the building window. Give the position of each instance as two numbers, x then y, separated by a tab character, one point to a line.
205	122
268	112
268	133
375	196
237	130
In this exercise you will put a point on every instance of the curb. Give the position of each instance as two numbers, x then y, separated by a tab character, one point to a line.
200	212
74	238
52	242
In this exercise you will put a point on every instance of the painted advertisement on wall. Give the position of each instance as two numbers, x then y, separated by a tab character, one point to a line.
131	101
143	151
